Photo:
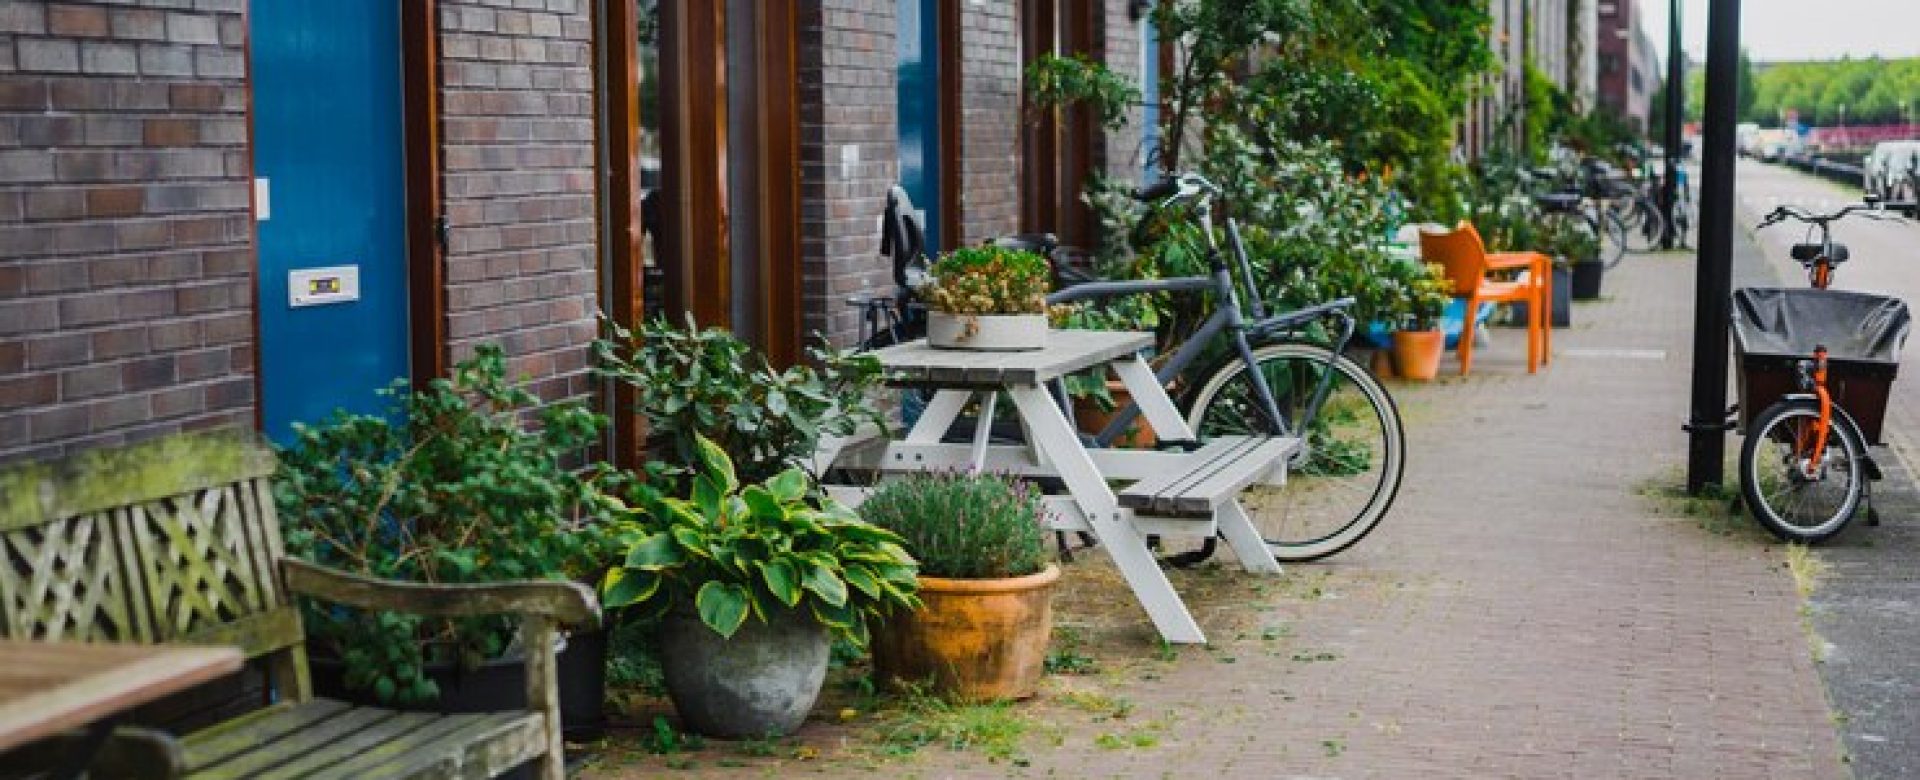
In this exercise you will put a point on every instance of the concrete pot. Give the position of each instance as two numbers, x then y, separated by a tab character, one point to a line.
760	683
992	332
972	640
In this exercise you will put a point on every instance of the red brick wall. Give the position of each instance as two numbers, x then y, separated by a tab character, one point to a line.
125	266
848	155
518	139
1119	154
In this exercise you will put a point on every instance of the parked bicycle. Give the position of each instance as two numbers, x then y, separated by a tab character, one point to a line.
1578	208
1818	365
1282	374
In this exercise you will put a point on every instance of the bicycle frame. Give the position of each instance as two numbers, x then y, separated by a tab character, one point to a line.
1226	317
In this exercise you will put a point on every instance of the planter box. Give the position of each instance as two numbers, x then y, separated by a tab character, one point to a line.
498	685
1562	302
1587	275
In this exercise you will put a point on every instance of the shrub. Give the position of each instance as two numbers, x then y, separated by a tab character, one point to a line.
989	280
964	526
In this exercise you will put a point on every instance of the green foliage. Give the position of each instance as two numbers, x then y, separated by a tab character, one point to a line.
451	486
964	526
989	280
691	383
732	551
1423	293
1056	82
1873	90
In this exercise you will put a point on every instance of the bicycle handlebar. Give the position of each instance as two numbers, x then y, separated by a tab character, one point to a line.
1798	214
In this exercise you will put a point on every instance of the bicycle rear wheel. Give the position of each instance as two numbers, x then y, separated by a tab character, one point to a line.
1612	232
1774	480
1644	226
1344	478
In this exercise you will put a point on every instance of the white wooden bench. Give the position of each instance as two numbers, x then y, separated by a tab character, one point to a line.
1210	476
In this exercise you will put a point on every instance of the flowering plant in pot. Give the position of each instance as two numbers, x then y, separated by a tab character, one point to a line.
1418	342
988	297
985	585
751	583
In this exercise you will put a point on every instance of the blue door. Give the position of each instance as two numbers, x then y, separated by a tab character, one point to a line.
330	188
918	45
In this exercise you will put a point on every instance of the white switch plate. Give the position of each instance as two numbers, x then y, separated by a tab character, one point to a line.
320	286
262	199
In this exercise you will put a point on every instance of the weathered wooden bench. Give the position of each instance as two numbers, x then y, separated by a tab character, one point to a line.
1213	475
175	540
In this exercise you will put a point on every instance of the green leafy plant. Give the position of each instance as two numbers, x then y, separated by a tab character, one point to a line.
964	526
979	280
1427	293
1055	81
735	552
692	383
451	486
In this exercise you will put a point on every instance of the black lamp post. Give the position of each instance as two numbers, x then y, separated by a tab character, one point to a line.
1706	428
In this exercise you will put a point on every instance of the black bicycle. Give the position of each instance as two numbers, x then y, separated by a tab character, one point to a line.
1282	374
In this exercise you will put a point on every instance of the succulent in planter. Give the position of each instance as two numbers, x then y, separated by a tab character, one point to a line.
452	486
985	583
987	297
752	582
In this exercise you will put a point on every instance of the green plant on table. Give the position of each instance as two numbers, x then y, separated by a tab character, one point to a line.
451	486
691	383
964	526
988	280
734	552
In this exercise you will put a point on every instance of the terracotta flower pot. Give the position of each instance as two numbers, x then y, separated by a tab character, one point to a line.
1092	419
1416	353
973	640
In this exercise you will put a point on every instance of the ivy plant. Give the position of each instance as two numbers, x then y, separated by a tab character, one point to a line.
733	552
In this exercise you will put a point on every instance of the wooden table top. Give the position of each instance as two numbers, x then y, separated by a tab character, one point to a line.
1067	351
47	688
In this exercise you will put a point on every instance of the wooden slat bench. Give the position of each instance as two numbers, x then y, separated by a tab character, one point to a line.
176	540
1214	474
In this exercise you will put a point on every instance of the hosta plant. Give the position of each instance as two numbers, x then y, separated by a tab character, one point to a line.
735	552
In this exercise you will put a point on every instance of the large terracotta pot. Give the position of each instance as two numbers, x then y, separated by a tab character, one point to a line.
973	640
1416	353
1093	419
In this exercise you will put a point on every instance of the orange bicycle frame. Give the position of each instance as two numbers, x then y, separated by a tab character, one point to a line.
1817	449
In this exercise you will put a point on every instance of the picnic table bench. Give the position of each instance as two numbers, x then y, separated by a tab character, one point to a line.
176	541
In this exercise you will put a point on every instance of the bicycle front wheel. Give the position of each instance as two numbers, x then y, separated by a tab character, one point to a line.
1347	472
1801	501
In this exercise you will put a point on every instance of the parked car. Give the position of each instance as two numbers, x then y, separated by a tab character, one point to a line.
1888	168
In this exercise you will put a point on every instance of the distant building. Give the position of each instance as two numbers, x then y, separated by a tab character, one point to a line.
1629	63
1556	36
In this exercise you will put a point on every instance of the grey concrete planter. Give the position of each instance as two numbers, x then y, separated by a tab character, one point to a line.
995	332
760	683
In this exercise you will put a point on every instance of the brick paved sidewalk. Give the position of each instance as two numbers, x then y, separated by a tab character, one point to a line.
1534	607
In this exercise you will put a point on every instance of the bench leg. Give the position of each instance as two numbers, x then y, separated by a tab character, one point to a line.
543	694
939	416
1126	545
1241	535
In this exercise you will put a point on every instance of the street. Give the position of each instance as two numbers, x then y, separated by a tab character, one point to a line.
1865	611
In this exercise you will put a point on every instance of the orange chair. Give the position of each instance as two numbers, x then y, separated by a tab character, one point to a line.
1468	263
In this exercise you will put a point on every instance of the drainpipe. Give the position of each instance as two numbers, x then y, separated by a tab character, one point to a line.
1713	281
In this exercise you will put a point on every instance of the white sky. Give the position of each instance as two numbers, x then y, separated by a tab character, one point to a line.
1800	29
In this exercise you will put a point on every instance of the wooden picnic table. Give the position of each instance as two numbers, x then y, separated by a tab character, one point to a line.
49	688
1164	483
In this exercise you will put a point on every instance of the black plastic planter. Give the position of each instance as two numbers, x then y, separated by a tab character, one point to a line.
1563	296
498	685
1586	279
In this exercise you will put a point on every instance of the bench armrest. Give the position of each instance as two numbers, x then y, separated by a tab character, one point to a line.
568	603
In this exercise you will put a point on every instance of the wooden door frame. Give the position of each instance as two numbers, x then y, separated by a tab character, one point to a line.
952	94
1057	146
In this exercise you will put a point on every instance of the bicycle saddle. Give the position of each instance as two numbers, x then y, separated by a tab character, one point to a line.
1807	253
1038	243
901	237
1558	201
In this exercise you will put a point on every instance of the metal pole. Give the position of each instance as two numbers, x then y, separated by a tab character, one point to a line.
1707	436
1676	114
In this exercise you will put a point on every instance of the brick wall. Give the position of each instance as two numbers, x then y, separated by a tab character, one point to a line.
125	267
848	155
518	143
989	121
1119	153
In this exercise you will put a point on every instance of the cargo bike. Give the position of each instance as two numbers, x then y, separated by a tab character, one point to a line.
1816	366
